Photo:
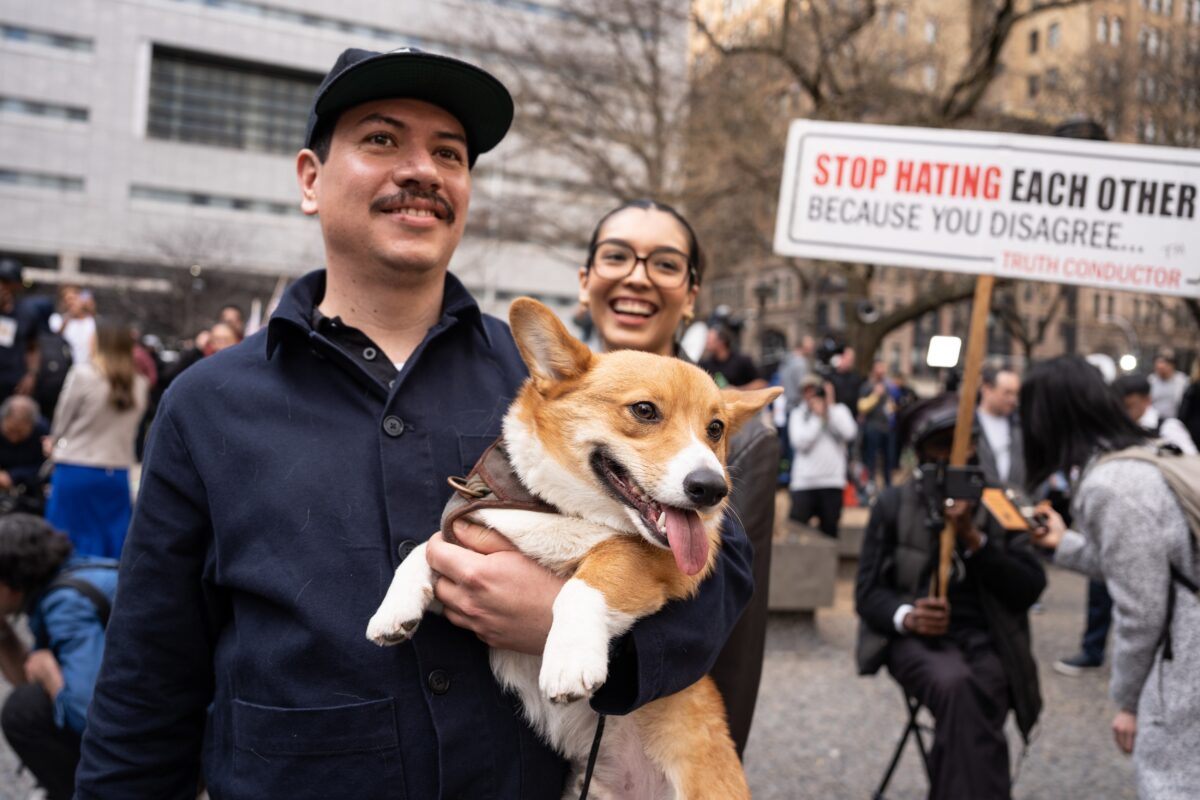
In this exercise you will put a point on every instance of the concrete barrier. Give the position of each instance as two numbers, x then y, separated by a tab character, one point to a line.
803	569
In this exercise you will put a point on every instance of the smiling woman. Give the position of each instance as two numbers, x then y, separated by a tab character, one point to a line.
642	275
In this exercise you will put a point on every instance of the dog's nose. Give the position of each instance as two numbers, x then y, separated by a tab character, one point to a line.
705	487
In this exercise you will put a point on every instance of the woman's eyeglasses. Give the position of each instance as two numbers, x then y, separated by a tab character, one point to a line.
666	267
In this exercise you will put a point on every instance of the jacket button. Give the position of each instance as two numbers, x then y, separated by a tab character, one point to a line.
393	426
406	547
369	353
439	681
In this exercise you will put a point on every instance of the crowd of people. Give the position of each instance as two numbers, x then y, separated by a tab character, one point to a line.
289	475
79	399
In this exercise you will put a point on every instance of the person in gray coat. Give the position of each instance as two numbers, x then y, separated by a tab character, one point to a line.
1130	530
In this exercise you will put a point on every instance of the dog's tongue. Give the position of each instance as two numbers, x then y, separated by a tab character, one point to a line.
689	542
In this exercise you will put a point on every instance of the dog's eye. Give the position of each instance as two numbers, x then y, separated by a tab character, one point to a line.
647	412
715	429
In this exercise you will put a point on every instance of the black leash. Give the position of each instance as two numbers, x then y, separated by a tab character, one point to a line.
591	765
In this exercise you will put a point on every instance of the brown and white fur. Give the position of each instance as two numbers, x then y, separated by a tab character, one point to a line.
629	533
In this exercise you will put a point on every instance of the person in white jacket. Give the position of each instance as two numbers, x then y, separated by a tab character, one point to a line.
820	431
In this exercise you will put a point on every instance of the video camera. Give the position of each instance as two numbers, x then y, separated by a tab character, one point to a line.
940	482
823	358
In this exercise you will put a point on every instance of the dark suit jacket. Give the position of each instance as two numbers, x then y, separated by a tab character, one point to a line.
987	456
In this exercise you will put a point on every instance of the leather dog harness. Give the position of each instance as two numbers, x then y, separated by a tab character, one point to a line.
491	483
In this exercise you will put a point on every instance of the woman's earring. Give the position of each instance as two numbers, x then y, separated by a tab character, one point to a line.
688	317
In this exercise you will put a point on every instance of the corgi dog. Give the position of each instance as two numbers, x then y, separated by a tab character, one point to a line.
629	449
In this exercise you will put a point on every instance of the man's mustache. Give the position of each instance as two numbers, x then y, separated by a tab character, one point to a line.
404	196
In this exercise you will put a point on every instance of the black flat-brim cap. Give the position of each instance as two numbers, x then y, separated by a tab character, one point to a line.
476	98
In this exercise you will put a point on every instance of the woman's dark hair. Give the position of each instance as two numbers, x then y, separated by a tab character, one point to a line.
31	552
1068	415
695	256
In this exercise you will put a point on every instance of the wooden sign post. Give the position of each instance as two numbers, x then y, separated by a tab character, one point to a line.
960	449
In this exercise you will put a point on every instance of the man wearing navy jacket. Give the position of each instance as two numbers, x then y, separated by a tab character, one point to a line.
288	476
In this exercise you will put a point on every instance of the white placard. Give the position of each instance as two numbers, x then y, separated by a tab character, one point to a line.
1116	216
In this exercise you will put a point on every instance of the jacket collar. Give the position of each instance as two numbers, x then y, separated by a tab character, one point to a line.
295	308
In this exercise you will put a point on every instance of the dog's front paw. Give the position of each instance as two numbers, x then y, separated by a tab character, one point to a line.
408	596
396	623
572	673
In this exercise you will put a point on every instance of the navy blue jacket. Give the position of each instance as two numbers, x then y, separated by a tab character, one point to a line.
281	486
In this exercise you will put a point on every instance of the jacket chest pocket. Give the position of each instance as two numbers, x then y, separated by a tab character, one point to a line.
334	751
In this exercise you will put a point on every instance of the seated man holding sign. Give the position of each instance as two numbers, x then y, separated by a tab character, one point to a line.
967	657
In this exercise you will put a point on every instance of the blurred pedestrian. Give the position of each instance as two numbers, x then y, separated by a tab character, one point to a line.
222	335
876	409
798	363
847	383
819	430
93	445
22	453
1134	391
78	326
1000	449
18	334
232	316
67	599
727	365
1167	384
1129	530
967	657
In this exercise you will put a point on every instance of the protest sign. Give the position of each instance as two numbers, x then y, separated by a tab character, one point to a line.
1114	216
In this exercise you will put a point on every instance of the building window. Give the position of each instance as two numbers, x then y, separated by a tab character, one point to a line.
36	108
1034	86
901	22
205	100
1102	30
1168	8
12	33
1192	11
931	31
1114	34
1052	78
1033	41
177	197
929	77
1155	6
1053	35
40	180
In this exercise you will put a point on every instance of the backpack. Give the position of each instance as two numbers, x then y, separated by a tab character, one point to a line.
66	580
1182	474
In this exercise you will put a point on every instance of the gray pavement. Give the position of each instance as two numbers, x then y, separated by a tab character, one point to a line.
821	732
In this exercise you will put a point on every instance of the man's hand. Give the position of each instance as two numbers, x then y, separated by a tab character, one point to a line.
930	617
6	481
1050	534
960	515
490	588
41	667
1124	727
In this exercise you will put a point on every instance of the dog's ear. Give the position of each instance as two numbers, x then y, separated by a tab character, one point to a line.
549	350
741	406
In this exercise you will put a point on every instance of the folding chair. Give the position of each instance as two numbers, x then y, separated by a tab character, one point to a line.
914	727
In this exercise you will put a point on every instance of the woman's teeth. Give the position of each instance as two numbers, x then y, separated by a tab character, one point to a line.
633	307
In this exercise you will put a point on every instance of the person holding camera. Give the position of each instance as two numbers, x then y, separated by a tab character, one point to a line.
819	430
967	657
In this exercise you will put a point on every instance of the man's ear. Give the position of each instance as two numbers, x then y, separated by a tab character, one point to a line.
741	405
308	173
552	354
